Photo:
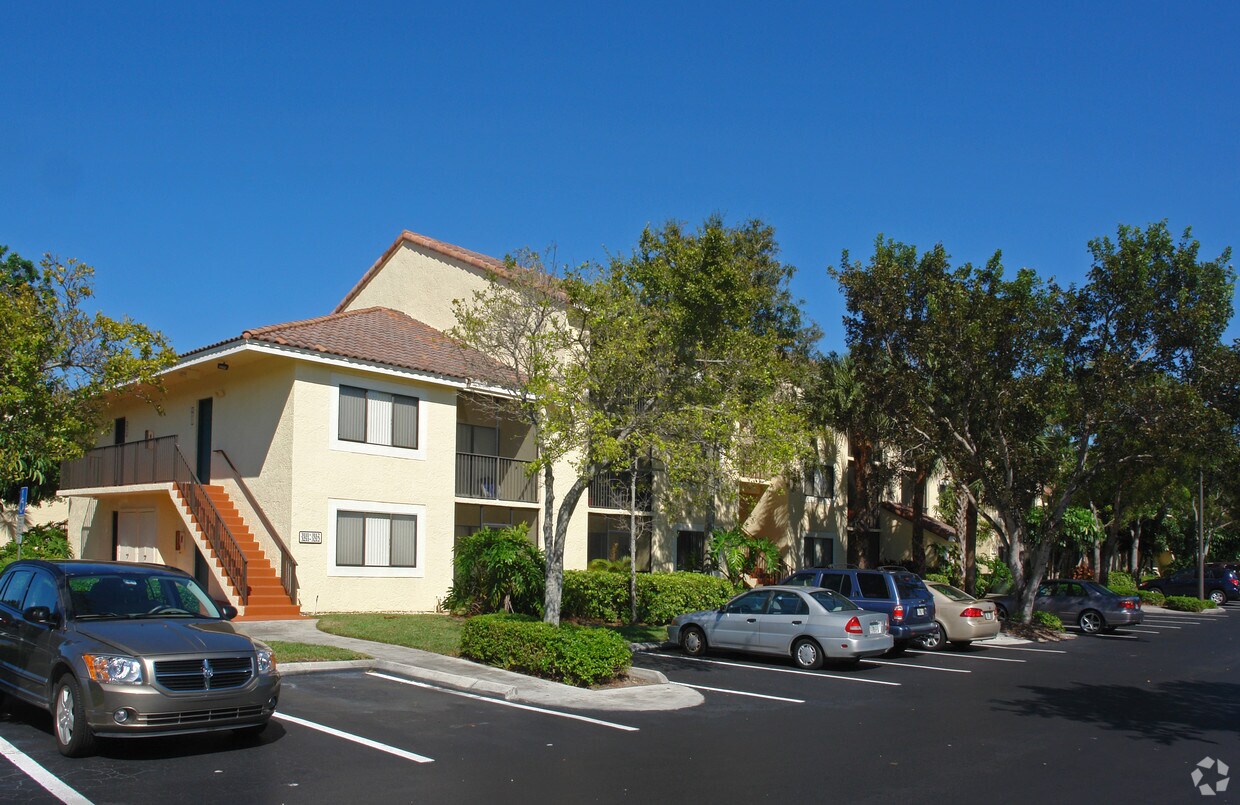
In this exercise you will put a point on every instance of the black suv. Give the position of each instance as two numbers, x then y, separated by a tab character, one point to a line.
899	593
1222	583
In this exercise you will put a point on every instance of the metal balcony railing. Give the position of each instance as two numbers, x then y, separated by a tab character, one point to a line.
495	478
610	490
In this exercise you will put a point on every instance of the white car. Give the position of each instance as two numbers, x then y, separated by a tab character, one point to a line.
810	624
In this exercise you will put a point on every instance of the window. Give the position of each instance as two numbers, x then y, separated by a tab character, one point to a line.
377	417
608	538
376	540
819	481
833	602
819	551
42	593
872	585
753	603
477	439
788	604
838	582
15	588
801	580
690	550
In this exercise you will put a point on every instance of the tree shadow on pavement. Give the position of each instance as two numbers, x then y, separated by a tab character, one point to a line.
1165	713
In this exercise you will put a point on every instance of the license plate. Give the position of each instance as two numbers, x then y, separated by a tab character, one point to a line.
989	615
921	611
876	628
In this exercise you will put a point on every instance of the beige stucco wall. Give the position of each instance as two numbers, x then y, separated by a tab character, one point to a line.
421	283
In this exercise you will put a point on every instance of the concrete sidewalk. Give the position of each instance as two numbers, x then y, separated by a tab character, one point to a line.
658	694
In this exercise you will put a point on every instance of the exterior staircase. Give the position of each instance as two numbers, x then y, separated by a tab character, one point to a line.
267	599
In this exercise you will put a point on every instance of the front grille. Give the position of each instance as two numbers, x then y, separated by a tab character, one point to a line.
199	716
213	673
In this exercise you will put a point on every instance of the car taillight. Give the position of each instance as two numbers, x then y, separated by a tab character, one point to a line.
897	614
1127	604
853	626
971	612
1234	582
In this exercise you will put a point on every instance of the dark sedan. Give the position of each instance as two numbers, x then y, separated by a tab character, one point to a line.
118	649
1088	604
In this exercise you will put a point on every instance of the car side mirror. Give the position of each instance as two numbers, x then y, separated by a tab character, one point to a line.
723	609
40	615
227	611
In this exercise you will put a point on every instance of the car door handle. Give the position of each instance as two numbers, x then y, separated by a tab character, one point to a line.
751	620
796	623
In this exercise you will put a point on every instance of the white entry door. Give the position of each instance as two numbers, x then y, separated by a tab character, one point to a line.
135	536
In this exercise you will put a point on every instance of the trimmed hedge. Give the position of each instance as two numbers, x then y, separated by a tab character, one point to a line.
571	654
660	596
1152	597
939	577
1047	619
1185	603
1121	582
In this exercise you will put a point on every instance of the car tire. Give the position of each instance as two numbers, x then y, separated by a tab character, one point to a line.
73	735
693	641
933	642
807	654
1001	612
1091	621
1218	597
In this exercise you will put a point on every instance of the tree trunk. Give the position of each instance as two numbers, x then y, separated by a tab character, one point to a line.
919	511
633	543
1134	553
1112	542
555	550
970	547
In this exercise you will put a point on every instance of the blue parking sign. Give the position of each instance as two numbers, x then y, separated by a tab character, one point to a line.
21	504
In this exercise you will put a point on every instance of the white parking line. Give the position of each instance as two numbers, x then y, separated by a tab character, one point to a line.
1119	636
1157	625
1022	648
503	702
964	656
1142	631
922	667
41	775
778	670
741	693
1149	619
348	736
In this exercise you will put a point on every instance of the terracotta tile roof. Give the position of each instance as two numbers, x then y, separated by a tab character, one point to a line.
379	335
934	526
474	259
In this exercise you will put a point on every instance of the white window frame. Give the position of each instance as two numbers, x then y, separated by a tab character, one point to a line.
333	423
337	505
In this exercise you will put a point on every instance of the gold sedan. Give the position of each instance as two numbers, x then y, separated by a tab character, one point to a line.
961	618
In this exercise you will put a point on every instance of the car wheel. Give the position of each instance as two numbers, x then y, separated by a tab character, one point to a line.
934	641
807	654
1091	621
73	735
1218	597
1001	612
693	641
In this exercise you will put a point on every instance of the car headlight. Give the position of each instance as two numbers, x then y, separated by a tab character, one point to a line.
116	670
266	660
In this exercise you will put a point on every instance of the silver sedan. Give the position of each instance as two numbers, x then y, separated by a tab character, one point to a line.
809	624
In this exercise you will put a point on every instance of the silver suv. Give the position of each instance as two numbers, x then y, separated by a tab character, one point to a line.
118	649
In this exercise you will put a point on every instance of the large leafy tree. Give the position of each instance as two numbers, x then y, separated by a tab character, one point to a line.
59	362
1027	388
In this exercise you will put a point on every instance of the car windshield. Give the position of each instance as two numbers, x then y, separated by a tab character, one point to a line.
833	602
950	591
132	595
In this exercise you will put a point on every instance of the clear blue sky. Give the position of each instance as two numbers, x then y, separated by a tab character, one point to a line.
231	165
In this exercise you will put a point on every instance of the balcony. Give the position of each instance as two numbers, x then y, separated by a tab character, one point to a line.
152	461
495	478
610	490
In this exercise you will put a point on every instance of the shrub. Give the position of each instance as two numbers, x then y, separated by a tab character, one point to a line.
1121	583
602	565
572	654
496	571
737	554
1047	619
1185	603
48	541
1151	597
998	576
939	577
660	596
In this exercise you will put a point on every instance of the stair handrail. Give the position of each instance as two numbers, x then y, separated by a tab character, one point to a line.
288	565
213	527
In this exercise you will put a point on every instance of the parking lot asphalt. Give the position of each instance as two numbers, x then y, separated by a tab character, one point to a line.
1123	717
